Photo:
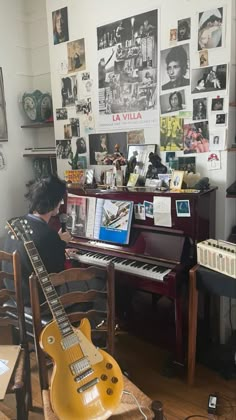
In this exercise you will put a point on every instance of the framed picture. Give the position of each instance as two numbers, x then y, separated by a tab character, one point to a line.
176	180
3	118
138	157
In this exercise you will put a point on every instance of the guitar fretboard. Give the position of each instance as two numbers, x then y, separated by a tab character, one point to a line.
49	290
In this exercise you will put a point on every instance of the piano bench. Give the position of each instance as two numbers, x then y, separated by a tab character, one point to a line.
127	409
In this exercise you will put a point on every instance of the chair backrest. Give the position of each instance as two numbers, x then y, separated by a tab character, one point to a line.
11	300
84	293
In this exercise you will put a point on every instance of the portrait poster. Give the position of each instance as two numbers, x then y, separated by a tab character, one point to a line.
210	29
175	64
173	102
3	118
127	72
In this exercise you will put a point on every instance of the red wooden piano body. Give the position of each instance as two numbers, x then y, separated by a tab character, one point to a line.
153	246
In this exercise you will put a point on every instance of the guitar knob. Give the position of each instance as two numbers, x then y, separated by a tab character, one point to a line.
103	377
109	391
114	380
109	366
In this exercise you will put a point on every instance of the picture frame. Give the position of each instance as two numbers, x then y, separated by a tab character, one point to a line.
176	180
141	153
3	117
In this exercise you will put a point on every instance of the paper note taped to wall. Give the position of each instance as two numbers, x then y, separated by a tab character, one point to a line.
162	211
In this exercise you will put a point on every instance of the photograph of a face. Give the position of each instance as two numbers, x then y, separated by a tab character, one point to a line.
175	65
60	26
220	119
210	29
104	148
172	102
69	90
76	55
217	104
3	119
182	208
200	109
209	79
184	29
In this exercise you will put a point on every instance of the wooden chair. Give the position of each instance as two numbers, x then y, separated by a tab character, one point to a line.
12	316
128	408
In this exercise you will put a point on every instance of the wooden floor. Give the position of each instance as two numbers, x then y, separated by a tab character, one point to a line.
144	363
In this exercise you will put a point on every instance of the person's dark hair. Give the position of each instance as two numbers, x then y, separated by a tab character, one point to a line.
179	96
45	194
178	54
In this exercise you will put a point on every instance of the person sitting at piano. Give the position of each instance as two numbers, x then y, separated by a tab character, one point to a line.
45	197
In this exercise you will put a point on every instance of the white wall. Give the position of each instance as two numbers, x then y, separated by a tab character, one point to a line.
83	19
21	51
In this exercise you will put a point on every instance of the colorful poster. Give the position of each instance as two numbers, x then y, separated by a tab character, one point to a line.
127	72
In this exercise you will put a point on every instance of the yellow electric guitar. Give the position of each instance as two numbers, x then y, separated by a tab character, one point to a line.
86	382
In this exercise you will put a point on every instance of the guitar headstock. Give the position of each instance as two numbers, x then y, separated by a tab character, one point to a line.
19	229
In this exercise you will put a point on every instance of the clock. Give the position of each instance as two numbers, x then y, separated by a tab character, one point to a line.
37	105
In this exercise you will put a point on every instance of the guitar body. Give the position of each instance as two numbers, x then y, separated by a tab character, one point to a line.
80	391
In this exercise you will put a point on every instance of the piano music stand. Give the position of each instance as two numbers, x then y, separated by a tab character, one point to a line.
201	278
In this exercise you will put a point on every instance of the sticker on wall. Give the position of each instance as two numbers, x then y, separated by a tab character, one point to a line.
213	161
60	26
127	71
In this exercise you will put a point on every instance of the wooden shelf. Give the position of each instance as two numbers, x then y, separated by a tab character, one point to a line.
38	125
40	154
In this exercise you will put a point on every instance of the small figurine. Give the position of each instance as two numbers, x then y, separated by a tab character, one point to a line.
156	167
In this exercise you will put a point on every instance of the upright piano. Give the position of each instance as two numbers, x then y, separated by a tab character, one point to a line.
157	258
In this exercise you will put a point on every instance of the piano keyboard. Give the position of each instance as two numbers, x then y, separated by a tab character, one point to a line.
151	271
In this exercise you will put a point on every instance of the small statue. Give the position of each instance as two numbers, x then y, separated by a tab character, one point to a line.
156	167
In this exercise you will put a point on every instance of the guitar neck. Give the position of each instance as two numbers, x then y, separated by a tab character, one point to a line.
49	290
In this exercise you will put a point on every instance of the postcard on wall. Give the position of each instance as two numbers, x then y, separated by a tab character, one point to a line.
173	102
184	29
217	140
76	55
60	26
196	137
127	71
171	135
162	211
213	161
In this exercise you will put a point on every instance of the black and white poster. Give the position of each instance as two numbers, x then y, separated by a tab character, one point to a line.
210	29
127	71
208	79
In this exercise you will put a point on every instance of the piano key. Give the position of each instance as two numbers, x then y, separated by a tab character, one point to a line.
130	266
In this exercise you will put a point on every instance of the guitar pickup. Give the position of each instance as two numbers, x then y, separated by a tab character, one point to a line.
88	385
84	375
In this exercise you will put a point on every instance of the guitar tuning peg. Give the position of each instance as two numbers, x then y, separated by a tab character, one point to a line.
25	221
12	237
31	231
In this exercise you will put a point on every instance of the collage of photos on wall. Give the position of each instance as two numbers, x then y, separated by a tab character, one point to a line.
194	97
190	99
